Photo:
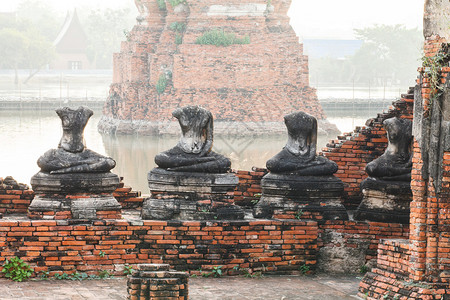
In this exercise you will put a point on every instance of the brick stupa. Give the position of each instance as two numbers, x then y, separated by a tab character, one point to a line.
248	87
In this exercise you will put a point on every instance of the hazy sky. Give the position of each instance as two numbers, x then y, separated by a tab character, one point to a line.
310	18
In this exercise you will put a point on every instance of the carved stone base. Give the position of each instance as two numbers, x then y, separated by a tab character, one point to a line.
384	201
64	184
292	194
74	196
80	206
191	196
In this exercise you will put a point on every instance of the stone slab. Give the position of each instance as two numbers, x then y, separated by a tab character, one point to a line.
292	193
64	184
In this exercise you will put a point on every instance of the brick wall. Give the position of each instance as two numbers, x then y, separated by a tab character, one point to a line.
352	151
354	234
249	185
257	82
430	210
14	197
274	246
419	268
128	198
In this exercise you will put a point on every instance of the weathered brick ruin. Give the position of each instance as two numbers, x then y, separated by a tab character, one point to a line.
407	261
247	87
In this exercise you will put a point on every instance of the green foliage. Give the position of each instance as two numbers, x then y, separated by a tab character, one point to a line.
248	274
258	197
26	49
161	84
104	274
161	4
384	53
217	271
178	26
432	69
101	254
304	269
364	269
105	29
389	53
62	276
16	269
299	214
175	3
82	276
178	39
219	37
43	275
128	270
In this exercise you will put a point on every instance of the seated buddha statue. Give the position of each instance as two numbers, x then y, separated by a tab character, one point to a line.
193	151
299	155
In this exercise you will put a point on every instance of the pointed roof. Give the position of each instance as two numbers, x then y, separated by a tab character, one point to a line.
72	36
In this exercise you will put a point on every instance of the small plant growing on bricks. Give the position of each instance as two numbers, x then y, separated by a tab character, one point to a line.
304	269
162	5
128	270
178	26
217	271
219	37
17	270
161	84
432	69
175	3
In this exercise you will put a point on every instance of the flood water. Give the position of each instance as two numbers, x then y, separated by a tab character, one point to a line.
26	135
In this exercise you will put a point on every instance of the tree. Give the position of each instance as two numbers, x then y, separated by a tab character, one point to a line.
105	30
388	51
38	53
12	49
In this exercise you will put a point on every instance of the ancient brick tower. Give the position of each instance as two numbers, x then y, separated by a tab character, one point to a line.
247	87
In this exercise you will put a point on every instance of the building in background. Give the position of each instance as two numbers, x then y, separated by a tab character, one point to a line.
71	46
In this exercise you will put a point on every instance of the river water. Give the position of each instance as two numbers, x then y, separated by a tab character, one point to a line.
26	135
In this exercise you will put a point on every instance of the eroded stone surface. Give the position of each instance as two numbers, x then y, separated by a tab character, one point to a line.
395	164
193	151
387	192
71	156
299	156
74	181
299	180
191	196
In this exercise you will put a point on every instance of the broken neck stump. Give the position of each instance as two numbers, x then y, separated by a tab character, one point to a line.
387	192
74	182
192	182
300	181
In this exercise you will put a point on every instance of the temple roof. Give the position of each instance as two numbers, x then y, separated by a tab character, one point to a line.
72	36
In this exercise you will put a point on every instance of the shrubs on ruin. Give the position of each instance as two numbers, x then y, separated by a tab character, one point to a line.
219	37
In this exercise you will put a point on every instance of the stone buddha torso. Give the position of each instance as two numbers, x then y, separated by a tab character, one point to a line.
299	155
395	164
193	151
72	156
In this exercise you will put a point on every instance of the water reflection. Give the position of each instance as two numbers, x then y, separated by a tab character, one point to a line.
27	135
135	154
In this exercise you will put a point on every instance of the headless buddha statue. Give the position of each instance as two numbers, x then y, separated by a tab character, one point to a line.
299	155
395	164
193	151
71	156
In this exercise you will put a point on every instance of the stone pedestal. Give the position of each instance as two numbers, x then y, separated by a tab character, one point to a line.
291	194
191	196
157	281
74	196
384	201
